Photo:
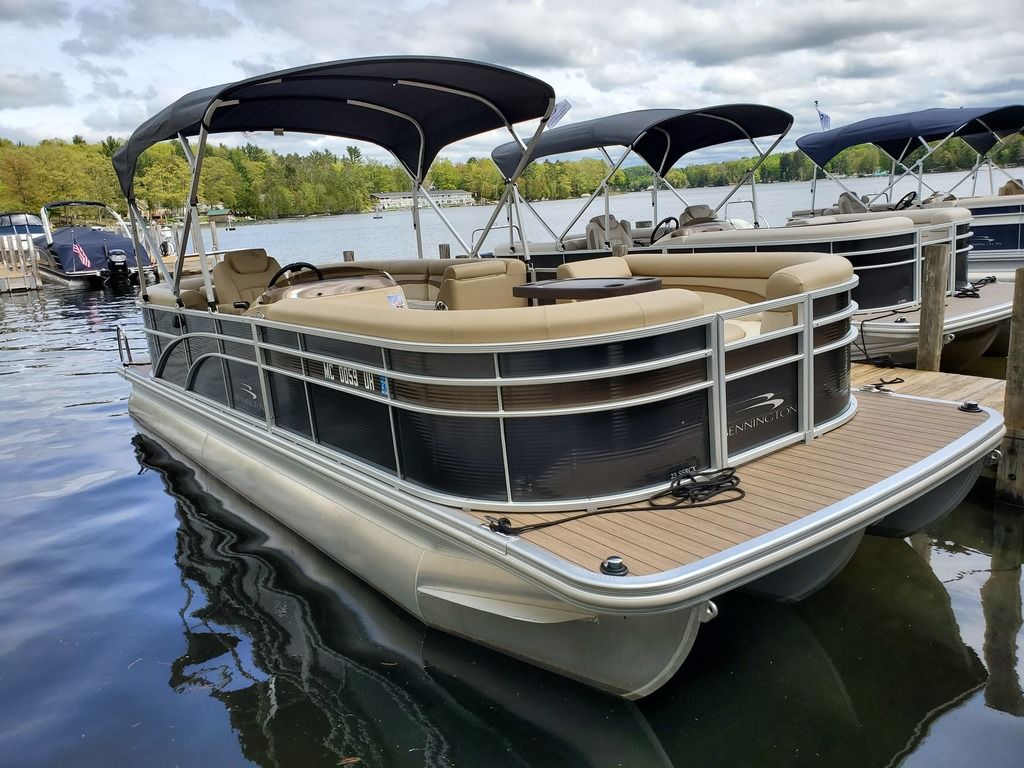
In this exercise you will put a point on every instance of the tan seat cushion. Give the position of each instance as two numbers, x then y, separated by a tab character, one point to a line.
243	276
484	284
478	326
610	266
617	232
697	214
1012	187
192	293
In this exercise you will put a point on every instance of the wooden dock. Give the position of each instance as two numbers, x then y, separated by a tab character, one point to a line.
18	271
942	386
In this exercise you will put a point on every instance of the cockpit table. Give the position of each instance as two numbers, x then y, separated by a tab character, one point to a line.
582	288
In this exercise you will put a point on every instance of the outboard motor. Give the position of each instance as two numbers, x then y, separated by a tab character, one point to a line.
117	266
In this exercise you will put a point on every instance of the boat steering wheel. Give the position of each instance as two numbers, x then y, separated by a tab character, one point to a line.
906	201
655	237
295	265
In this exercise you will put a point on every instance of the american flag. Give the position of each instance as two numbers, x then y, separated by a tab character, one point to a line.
79	251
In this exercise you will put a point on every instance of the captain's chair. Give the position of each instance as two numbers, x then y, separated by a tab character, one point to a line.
697	214
1012	187
618	233
242	277
850	203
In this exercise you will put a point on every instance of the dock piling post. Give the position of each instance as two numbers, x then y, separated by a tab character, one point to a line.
1010	476
445	250
934	279
348	255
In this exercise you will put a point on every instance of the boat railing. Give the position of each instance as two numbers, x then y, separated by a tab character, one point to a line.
546	424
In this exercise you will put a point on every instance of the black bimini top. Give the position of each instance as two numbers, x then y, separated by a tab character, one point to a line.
412	106
659	136
899	135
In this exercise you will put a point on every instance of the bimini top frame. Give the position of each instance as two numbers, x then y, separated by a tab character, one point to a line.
660	137
44	215
411	106
900	135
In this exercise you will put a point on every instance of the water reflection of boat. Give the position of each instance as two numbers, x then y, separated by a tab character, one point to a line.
312	665
851	677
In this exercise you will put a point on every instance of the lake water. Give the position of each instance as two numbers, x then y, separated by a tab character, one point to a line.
322	240
147	621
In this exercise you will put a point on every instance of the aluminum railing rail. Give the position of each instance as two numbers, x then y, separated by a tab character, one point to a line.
255	369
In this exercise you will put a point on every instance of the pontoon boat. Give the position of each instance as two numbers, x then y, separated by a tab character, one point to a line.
886	251
997	247
570	483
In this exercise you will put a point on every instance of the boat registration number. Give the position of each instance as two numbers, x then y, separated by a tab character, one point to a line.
353	377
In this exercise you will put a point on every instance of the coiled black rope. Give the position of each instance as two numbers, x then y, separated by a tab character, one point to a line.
973	288
688	490
882	385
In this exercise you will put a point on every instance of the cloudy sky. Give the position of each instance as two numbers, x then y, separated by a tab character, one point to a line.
99	68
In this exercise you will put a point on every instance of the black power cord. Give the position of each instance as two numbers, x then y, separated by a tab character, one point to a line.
688	490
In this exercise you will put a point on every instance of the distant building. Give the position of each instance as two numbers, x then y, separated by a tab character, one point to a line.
219	214
390	201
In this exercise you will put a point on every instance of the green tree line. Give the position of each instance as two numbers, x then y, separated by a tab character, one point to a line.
253	181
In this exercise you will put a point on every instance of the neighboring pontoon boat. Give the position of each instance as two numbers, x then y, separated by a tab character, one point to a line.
886	251
997	244
534	478
84	255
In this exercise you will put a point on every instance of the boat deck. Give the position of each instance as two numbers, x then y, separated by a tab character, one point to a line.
887	435
989	297
989	392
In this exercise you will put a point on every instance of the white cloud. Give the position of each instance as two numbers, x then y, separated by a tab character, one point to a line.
24	89
857	57
32	13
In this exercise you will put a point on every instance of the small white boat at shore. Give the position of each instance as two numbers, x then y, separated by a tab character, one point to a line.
572	484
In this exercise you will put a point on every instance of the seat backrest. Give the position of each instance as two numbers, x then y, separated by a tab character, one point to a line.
696	214
850	203
1012	187
610	266
485	284
618	233
243	276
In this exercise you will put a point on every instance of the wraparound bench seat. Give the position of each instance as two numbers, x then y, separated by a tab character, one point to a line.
481	326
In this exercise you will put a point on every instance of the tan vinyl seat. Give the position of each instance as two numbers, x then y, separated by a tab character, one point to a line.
697	214
485	284
850	203
242	276
191	290
1012	187
477	326
609	266
618	233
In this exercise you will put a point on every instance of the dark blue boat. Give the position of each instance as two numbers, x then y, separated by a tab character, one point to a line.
81	254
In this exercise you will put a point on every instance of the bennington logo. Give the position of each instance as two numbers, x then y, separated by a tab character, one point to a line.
765	409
